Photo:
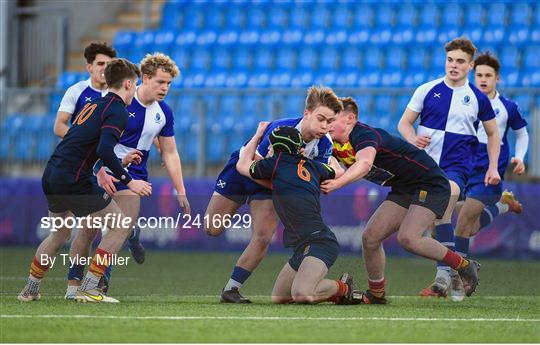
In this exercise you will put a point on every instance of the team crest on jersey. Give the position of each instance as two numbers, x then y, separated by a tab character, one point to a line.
497	111
466	100
157	118
422	196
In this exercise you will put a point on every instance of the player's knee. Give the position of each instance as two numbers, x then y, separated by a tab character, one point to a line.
303	299
59	238
262	238
281	299
369	239
406	241
210	228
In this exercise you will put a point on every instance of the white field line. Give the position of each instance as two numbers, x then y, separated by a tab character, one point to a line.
262	318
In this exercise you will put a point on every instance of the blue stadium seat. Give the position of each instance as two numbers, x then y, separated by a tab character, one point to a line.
299	17
392	77
518	34
307	58
521	14
270	37
192	18
182	58
474	14
221	58
494	34
235	18
277	17
531	57
249	37
426	35
314	37
407	15
280	79
292	37
363	16
395	58
66	79
359	36
200	59
144	41
342	17
242	58
185	38
381	35
452	15
206	37
286	58
251	104
321	17
336	37
429	15
227	37
294	105
447	33
403	34
237	78
329	59
256	17
401	103
373	59
326	77
348	77
437	59
384	14
474	33
509	56
496	14
351	58
123	40
214	16
417	58
215	78
302	78
260	78
510	76
531	77
264	58
523	100
54	101
414	77
164	41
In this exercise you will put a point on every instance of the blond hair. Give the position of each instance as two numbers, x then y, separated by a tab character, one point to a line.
323	96
152	62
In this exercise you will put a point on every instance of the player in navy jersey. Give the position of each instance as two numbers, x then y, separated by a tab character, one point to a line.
420	194
149	118
71	191
232	190
450	109
295	182
483	203
97	56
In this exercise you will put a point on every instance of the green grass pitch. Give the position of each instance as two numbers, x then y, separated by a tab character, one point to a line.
173	297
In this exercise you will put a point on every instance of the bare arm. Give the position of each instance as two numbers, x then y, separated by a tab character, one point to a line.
173	165
248	152
407	131
360	168
61	124
493	149
336	166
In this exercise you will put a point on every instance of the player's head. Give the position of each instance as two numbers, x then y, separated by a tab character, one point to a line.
121	76
322	107
459	58
486	72
158	70
286	139
97	56
345	120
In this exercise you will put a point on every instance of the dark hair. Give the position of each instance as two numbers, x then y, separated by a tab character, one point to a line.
461	43
488	59
349	105
286	139
119	70
323	96
93	49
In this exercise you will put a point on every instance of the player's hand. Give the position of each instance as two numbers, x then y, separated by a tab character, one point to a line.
140	187
134	157
329	186
184	203
492	177
261	128
520	166
106	181
422	141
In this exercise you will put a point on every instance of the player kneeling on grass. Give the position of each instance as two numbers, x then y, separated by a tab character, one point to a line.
420	193
295	195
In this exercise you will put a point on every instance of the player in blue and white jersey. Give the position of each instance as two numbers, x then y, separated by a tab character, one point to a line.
232	189
149	117
97	56
483	203
450	109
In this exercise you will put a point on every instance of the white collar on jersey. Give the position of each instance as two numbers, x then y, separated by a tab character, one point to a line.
457	87
103	92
